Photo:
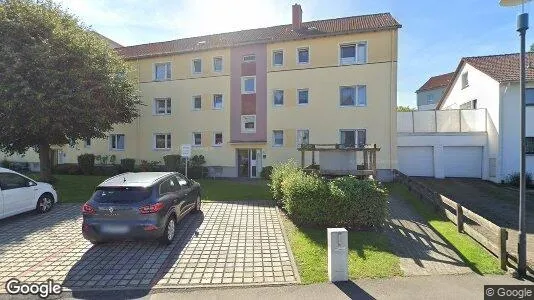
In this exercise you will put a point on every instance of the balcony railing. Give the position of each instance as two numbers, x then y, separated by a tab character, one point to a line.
454	120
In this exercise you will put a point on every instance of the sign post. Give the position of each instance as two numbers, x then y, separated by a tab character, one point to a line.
186	152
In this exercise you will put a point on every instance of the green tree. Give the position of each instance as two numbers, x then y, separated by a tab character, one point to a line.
405	108
59	81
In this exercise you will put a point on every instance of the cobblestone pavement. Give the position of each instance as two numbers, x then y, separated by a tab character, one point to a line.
420	249
228	243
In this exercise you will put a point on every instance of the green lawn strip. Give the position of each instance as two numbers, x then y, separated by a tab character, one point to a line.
474	255
220	190
369	254
75	188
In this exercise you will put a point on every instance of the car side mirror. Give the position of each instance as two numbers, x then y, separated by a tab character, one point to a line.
31	183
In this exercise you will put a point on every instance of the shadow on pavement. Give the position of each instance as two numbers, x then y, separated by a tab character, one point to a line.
352	290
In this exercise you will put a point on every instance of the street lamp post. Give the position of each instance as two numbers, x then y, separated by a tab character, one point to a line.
522	26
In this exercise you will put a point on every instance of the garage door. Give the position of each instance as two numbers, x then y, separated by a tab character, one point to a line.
416	161
463	161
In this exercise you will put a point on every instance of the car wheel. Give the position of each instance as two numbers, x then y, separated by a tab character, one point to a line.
45	203
198	203
169	232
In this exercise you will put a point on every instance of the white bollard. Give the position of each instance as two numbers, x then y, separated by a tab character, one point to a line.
338	254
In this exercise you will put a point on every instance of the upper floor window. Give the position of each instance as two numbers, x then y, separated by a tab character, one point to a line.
303	55
162	141
353	53
465	80
217	64
529	96
162	71
469	105
302	96
303	137
162	106
530	145
278	58
197	102
197	66
430	99
248	85
217	101
249	58
278	96
278	137
117	141
248	123
353	95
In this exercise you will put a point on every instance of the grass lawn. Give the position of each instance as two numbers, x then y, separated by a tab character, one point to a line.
369	254
79	188
474	255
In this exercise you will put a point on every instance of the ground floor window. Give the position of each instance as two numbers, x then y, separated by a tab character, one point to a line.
530	145
353	137
303	137
197	138
162	141
117	141
217	139
278	138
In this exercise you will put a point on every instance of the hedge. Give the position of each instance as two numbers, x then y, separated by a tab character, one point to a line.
347	201
266	172
128	164
86	163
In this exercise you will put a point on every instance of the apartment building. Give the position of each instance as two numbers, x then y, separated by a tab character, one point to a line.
247	99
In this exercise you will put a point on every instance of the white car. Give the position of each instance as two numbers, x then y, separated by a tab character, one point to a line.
19	194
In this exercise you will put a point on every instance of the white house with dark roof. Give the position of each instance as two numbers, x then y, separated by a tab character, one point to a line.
429	94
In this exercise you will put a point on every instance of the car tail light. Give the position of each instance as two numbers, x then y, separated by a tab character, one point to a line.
151	228
150	209
88	209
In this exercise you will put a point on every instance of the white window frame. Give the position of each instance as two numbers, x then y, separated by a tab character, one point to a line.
274	97
215	139
274	138
297	136
213	102
193	66
248	130
465	79
243	79
215	70
298	57
167	136
278	51
168	106
168	71
298	100
86	144
115	135
249	58
193	102
193	142
356	137
356	96
354	61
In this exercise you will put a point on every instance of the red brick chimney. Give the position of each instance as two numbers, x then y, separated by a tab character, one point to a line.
297	17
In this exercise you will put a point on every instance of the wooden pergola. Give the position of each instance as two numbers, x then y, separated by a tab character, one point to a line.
368	168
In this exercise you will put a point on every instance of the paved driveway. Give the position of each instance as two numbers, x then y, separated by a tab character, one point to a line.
230	243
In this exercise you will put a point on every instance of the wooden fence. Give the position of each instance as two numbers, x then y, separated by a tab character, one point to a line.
488	234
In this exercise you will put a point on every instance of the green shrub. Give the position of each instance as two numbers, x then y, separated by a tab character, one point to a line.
172	162
513	179
194	172
128	164
151	166
86	163
280	171
198	160
266	172
112	159
107	170
5	164
67	169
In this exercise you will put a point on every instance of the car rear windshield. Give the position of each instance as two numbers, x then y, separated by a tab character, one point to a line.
121	194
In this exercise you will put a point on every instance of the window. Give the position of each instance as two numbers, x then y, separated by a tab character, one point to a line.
162	71
278	97
197	139
430	99
353	95
249	58
197	102
529	96
197	66
117	141
170	185
351	138
87	143
302	96
465	80
248	123
248	85
217	101
278	138
162	106
303	137
469	105
353	53
9	181
530	145
217	139
303	55
278	58
162	141
217	64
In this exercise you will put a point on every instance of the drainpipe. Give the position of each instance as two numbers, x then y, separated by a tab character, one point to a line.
501	132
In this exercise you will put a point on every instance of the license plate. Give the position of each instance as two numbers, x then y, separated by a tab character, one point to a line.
114	229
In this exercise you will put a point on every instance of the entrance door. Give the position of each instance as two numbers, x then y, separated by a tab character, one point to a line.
249	162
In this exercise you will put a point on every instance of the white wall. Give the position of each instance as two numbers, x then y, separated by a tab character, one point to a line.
511	129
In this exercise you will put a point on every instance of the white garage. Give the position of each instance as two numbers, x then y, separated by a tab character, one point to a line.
416	160
463	161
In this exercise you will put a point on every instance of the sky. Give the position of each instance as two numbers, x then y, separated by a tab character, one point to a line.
435	34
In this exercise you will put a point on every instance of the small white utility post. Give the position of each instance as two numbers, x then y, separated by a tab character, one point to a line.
338	254
186	152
